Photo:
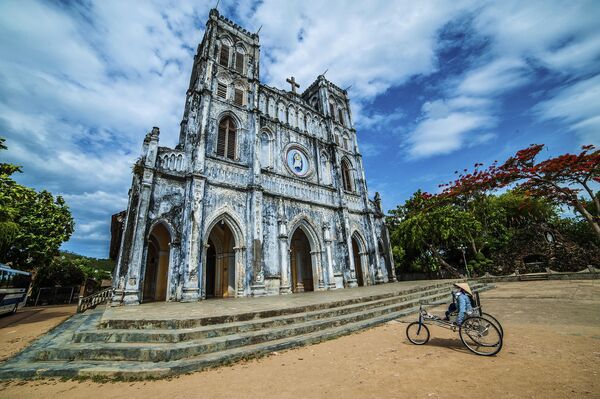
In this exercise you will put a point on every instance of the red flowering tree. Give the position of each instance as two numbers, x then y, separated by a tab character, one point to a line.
561	179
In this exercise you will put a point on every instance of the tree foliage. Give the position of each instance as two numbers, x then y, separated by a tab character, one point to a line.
561	179
33	224
431	231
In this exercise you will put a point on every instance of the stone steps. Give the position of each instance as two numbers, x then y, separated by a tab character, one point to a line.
82	346
140	324
153	352
209	331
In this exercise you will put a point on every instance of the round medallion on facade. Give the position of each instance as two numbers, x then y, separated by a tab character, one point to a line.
297	161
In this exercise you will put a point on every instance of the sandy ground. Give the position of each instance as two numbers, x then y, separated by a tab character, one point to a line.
18	330
551	350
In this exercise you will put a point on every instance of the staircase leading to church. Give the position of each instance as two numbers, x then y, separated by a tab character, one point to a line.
88	345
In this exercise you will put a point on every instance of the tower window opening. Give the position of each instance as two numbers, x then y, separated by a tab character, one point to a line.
226	141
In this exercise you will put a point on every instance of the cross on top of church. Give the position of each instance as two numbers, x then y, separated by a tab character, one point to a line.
295	85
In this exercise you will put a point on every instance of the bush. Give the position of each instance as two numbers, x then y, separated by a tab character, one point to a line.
60	272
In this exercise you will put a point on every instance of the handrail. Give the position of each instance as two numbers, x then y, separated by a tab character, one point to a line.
91	301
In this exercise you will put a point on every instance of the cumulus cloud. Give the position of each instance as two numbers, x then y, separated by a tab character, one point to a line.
561	37
79	87
80	83
578	105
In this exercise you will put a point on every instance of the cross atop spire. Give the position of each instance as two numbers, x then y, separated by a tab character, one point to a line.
295	85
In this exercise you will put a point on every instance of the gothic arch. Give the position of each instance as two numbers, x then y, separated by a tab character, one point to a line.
302	223
347	174
361	258
271	107
233	223
226	39
172	232
157	262
233	115
267	154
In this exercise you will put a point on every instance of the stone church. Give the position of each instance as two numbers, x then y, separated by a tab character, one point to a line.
265	193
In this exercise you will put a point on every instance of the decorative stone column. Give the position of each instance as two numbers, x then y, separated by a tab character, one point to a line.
315	257
348	242
329	255
240	271
192	255
284	253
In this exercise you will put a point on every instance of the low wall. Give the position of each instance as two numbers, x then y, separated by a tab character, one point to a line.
590	273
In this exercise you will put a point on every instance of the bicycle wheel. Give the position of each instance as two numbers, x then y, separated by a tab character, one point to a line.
417	333
480	336
494	321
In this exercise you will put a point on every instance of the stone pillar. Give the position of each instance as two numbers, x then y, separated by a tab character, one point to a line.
192	257
255	227
240	271
316	258
348	239
284	252
131	291
329	255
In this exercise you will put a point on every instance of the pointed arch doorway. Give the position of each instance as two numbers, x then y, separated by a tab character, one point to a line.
156	273
301	263
220	262
358	255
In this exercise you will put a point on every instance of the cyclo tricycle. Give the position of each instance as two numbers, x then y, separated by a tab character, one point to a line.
480	332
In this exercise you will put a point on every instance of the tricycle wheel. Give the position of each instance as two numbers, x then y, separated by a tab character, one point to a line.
494	321
480	336
417	333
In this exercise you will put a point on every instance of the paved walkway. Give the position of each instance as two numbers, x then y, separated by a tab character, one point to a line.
223	307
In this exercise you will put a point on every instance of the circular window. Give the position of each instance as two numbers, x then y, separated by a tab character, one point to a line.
297	161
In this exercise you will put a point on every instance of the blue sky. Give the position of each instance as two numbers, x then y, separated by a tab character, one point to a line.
435	86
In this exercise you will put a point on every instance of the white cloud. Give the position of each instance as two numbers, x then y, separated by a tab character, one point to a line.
79	87
445	133
494	77
579	106
563	37
371	46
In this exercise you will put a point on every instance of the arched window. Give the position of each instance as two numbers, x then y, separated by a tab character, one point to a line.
341	116
281	113
224	55
347	176
272	111
239	59
292	116
238	96
226	141
262	104
301	123
332	110
346	142
266	157
325	169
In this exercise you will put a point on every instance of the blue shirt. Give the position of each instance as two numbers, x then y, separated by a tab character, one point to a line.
463	303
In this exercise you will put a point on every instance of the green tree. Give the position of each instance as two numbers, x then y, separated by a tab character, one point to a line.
60	272
426	228
8	213
33	224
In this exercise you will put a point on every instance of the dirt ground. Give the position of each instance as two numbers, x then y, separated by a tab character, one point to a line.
18	330
551	350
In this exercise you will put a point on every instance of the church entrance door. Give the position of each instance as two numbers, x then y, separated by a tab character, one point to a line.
301	263
358	266
157	265
220	262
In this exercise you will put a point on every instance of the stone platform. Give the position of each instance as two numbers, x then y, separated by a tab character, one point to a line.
162	339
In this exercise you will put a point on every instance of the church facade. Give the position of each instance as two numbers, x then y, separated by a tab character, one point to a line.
265	194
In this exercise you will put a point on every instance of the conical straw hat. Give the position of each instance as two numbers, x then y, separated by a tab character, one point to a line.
465	287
